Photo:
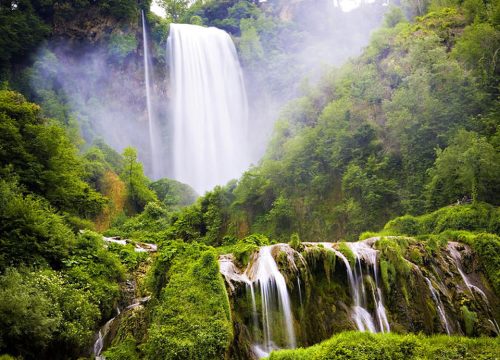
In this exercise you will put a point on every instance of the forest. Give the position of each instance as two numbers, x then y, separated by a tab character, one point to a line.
366	221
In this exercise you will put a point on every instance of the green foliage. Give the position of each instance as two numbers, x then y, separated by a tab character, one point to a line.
22	30
93	268
43	157
174	9
173	194
474	217
30	232
126	350
470	320
121	45
149	226
295	242
137	183
41	313
468	166
193	319
364	345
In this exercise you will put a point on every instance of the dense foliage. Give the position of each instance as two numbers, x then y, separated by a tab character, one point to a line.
408	127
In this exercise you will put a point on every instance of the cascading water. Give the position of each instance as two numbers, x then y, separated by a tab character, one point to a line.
363	319
322	298
439	305
209	104
263	274
271	282
153	130
457	257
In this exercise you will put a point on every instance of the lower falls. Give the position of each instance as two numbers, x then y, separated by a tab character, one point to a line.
286	297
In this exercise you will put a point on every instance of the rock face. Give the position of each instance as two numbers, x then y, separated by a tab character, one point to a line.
287	297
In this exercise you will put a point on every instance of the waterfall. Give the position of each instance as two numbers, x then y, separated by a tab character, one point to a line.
363	319
101	336
457	257
153	143
439	305
272	286
105	334
209	105
263	274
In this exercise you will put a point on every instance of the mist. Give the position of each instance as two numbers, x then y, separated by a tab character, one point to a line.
329	33
103	86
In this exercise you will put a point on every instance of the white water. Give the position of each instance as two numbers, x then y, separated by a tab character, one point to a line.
457	257
104	331
363	319
263	275
439	305
153	131
209	104
452	248
266	273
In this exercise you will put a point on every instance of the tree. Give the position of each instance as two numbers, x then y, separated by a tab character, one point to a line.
138	192
174	9
469	166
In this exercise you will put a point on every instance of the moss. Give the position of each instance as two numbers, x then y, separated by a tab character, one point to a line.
347	252
388	274
367	235
363	346
295	242
470	320
193	318
474	217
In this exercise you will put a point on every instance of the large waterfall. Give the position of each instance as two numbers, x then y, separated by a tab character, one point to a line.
209	105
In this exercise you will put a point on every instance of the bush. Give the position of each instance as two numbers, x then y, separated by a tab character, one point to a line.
92	267
41	313
193	319
474	217
363	345
30	232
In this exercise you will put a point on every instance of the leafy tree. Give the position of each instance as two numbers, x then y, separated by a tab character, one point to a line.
138	192
43	157
174	9
469	166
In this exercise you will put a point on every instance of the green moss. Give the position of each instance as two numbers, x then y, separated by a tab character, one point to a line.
470	320
364	346
347	252
193	319
474	217
295	242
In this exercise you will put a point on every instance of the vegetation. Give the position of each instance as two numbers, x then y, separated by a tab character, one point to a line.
407	131
358	345
193	319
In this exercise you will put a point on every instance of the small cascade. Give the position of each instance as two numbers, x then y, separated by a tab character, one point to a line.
363	252
262	276
105	332
439	305
457	257
272	286
99	343
151	123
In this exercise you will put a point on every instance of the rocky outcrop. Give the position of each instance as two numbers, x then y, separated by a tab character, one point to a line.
381	284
